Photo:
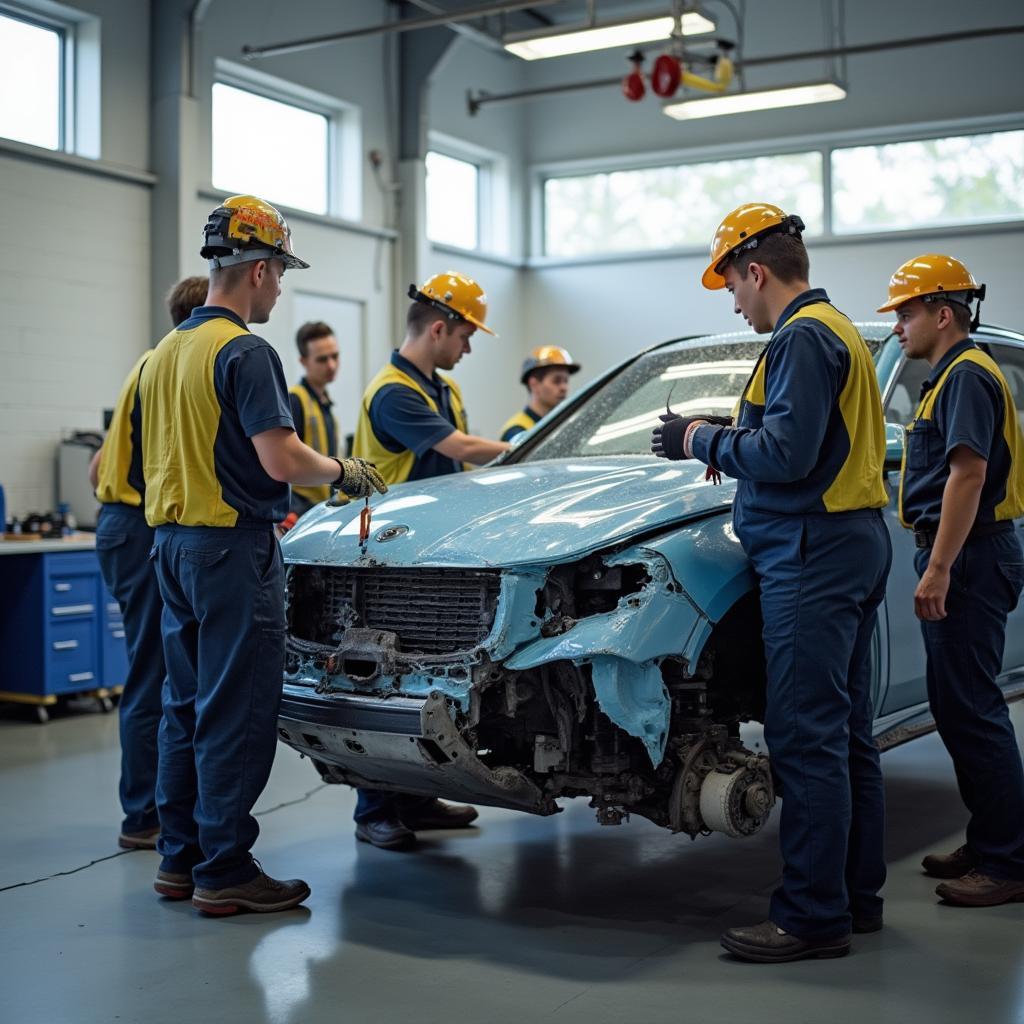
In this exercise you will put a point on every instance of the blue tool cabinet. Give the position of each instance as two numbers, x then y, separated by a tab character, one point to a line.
60	630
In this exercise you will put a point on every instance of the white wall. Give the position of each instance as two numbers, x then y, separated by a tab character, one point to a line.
74	273
489	376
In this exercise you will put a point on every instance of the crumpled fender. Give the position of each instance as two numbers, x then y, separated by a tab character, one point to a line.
697	573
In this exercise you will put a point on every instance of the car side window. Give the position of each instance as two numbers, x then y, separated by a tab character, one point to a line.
906	392
1011	361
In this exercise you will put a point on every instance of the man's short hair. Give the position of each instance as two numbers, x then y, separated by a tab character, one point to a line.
421	315
541	372
185	296
784	255
312	331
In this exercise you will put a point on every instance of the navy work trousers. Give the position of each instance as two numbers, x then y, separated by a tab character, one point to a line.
380	804
123	543
223	632
822	579
965	654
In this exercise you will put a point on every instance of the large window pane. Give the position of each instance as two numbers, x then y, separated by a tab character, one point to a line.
669	207
270	149
936	182
453	201
30	83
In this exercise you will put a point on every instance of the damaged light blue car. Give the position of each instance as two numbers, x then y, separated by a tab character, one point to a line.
578	619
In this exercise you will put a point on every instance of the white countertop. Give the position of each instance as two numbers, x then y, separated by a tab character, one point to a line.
77	542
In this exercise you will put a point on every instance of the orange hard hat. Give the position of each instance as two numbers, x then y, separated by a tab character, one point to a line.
931	274
457	296
740	230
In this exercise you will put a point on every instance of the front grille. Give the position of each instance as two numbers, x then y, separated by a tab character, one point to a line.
432	611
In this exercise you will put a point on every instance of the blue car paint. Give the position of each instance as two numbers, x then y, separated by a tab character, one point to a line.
526	518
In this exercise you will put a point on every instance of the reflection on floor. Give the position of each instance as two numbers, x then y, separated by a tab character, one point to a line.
520	919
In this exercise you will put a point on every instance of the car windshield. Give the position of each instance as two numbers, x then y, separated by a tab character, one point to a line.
694	377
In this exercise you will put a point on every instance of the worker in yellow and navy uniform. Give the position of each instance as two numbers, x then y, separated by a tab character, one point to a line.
808	451
961	487
545	375
123	543
218	452
311	406
412	426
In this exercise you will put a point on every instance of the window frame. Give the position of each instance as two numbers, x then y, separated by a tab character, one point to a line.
493	216
64	31
344	132
824	144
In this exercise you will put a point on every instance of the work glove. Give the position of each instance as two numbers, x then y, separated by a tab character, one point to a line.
359	478
668	440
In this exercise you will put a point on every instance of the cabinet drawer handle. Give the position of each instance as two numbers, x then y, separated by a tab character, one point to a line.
80	677
74	609
118	634
62	588
65	645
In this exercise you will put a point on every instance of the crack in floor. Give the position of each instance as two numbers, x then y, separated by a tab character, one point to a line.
122	853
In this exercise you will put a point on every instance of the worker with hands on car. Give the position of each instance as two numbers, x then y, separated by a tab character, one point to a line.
218	452
545	375
807	450
413	426
961	486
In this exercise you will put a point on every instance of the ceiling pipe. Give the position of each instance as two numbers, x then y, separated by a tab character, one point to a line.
482	99
448	19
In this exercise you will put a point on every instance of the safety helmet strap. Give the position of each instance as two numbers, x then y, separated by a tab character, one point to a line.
790	225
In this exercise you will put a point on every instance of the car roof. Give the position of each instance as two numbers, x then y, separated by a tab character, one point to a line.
872	330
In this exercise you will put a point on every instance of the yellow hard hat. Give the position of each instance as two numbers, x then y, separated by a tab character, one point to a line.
932	274
457	296
547	355
741	229
245	228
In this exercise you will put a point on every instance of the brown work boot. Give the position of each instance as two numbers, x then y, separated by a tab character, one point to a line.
263	895
145	840
949	865
978	890
173	885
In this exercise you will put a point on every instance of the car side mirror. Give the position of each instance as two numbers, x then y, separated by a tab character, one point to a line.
895	442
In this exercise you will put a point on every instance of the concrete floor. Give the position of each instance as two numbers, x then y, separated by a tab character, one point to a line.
518	920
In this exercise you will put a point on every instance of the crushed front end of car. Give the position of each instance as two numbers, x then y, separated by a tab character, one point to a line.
512	637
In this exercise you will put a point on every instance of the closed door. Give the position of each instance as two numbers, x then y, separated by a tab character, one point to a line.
347	319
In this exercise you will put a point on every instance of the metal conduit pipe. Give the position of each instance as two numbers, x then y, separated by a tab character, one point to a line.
451	18
482	99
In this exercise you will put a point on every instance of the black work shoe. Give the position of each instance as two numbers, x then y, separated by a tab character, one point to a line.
385	833
173	885
263	895
864	925
144	840
766	943
949	865
437	814
978	890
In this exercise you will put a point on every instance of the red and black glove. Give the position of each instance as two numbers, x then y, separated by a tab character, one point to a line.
668	440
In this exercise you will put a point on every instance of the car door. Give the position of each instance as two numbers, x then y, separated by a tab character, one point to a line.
906	647
1010	358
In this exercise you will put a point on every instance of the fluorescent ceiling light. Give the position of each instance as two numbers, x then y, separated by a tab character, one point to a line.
765	99
559	43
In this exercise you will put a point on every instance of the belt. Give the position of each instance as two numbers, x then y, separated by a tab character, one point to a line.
924	536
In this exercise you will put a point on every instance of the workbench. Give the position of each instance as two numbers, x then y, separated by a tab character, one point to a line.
61	632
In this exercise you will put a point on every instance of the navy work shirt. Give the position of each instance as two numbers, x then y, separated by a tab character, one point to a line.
402	421
969	410
788	452
250	385
326	405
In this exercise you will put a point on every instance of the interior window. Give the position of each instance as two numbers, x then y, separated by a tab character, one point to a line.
1011	361
906	393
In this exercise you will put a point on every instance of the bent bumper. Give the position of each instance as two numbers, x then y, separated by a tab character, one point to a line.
401	744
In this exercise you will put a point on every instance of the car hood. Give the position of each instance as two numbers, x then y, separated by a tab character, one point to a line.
538	512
